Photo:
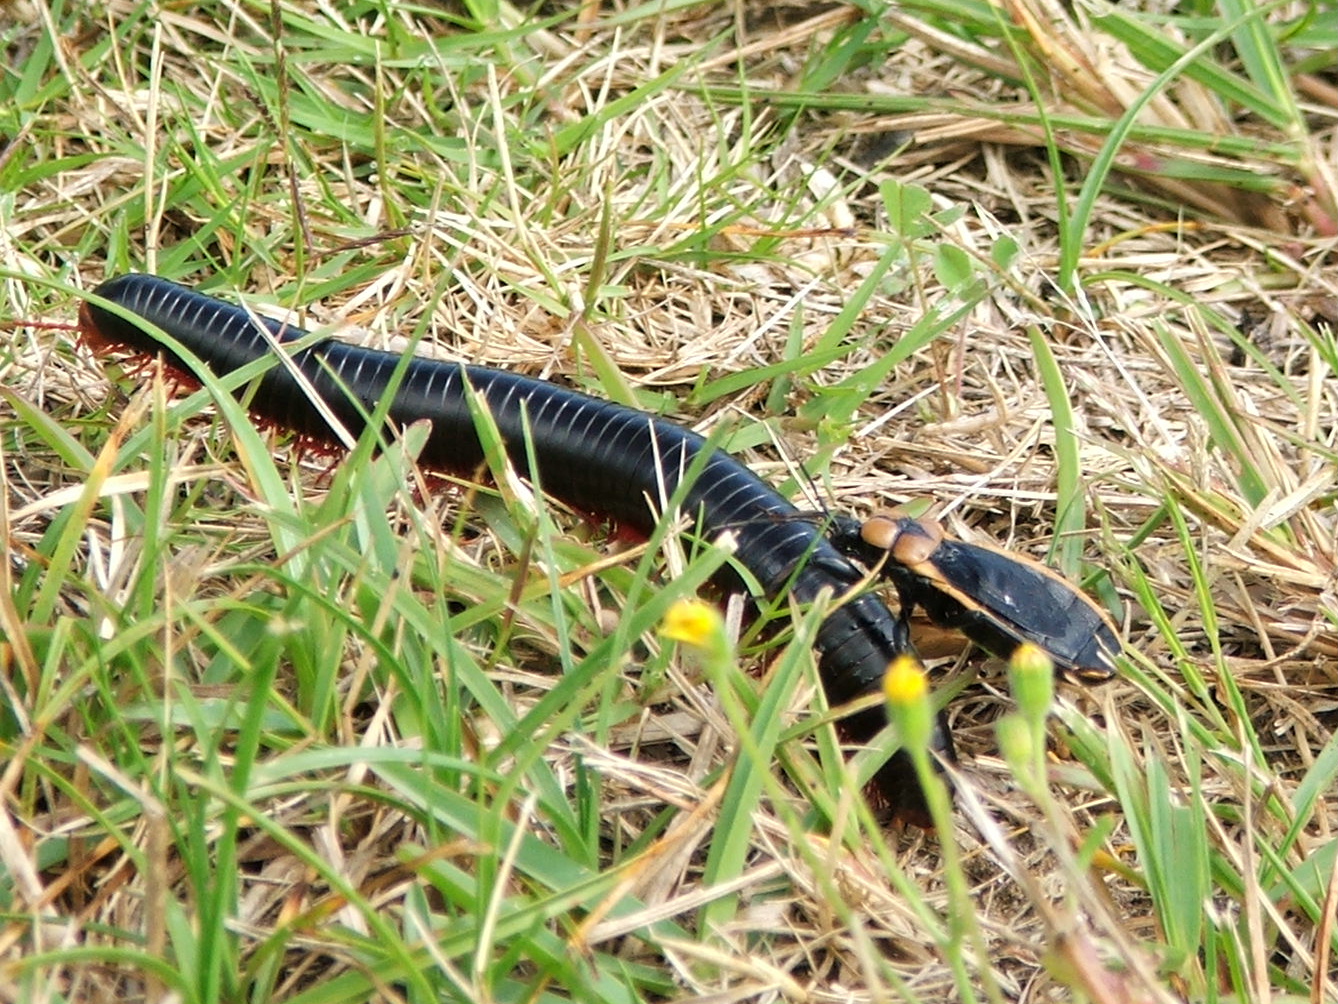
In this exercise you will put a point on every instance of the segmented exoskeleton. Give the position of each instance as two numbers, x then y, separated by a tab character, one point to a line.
595	456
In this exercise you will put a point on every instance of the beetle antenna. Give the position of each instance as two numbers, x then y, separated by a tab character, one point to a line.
815	493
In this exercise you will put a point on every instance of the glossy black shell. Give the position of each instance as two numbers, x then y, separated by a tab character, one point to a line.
997	600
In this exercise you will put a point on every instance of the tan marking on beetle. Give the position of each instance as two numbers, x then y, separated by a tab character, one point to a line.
909	542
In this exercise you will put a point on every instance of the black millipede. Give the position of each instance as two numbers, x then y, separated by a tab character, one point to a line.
597	457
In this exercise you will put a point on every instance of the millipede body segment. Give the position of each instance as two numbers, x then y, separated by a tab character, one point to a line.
595	456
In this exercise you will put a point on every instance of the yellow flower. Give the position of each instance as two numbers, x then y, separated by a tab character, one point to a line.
700	625
693	623
904	682
907	691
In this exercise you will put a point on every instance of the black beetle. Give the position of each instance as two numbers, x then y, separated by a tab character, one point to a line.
997	599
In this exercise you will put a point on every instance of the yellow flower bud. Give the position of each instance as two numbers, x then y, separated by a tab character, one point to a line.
1031	675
